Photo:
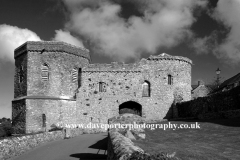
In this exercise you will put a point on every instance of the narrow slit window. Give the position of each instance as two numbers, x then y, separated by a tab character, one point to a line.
146	89
21	73
43	120
170	79
45	72
79	77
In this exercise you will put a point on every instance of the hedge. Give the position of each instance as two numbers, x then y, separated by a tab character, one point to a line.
219	102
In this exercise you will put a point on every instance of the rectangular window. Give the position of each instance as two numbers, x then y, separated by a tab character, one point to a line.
102	87
74	75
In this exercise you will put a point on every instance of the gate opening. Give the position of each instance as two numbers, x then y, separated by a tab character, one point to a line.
130	107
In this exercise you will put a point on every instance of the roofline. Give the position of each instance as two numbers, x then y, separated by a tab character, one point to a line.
170	57
51	46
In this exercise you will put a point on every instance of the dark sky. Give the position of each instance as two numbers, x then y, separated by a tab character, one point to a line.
43	17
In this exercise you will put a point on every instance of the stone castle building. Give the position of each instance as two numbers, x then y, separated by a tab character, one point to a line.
55	82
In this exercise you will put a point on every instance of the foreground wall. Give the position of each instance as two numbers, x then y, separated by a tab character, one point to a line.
15	146
120	147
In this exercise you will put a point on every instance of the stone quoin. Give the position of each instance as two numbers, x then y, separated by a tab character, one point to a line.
55	82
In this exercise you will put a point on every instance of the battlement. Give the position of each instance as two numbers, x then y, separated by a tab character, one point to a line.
114	66
51	46
165	56
120	66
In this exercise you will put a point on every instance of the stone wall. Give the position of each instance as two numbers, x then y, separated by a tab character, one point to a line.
56	111
19	116
60	65
120	147
21	68
15	146
124	82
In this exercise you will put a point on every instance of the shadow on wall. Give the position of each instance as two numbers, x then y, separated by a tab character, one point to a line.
130	107
88	156
170	113
101	151
101	145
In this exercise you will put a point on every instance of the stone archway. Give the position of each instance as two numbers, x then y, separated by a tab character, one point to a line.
130	107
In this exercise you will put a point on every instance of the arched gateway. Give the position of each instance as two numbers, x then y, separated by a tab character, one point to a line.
130	107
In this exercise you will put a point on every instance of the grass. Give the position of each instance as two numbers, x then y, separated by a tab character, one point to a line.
215	140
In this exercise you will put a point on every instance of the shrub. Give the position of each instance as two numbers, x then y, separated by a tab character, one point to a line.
2	132
5	129
55	129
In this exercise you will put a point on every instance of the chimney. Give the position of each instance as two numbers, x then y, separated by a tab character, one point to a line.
200	83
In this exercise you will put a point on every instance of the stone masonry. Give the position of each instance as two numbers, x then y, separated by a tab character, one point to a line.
76	91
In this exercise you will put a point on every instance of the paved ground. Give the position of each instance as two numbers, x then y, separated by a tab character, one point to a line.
84	147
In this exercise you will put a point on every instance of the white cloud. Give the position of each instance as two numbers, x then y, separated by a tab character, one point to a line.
227	12
65	36
205	45
165	24
12	37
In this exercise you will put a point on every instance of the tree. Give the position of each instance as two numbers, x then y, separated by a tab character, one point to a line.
215	83
5	127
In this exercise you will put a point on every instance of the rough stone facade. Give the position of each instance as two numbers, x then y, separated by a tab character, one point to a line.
76	91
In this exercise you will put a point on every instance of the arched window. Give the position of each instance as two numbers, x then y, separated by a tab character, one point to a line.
146	89
74	75
45	72
170	79
102	87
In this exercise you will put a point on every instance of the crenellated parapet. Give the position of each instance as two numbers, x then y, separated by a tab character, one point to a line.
133	67
51	46
165	56
113	67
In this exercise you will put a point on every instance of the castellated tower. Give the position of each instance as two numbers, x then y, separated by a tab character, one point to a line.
45	84
54	83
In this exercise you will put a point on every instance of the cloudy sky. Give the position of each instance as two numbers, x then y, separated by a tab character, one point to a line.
206	31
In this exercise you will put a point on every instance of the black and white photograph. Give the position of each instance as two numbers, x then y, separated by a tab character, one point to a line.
119	80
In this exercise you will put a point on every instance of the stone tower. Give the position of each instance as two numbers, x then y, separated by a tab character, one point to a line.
45	84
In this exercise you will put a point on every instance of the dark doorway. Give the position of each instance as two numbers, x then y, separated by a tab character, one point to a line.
130	107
